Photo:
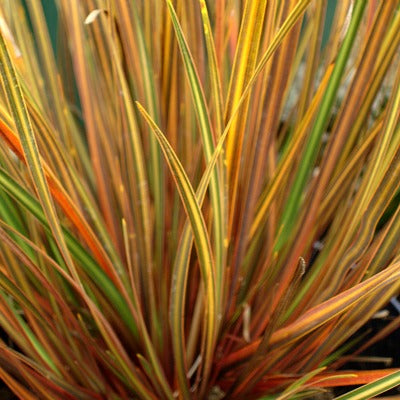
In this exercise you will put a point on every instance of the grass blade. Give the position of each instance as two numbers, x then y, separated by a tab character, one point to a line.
372	389
201	239
206	131
311	147
31	152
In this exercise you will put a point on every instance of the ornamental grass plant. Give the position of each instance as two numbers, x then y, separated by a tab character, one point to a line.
198	199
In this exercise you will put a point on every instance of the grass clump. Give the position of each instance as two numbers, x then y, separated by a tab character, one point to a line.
197	197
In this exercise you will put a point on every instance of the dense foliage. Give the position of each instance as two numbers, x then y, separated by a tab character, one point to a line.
197	198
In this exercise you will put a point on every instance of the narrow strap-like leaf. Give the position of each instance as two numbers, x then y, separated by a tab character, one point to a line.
322	313
206	133
372	389
31	151
76	249
201	239
312	145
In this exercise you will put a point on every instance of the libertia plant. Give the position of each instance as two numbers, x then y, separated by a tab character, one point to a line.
199	199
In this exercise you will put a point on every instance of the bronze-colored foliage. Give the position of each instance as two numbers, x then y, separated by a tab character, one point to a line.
197	198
